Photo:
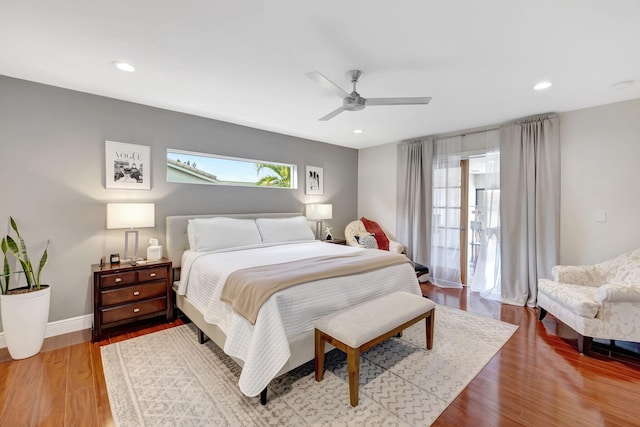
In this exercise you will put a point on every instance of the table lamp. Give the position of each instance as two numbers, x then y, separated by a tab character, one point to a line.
130	215
318	212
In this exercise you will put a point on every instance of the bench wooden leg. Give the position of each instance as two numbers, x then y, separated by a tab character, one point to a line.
430	326
353	366
319	360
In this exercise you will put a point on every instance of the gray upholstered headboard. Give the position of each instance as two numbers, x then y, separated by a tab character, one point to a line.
176	238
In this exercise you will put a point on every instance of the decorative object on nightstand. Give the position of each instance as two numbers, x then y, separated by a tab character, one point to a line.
130	215
327	233
154	251
318	212
124	294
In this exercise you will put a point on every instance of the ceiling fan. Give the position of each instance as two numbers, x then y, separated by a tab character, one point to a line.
353	101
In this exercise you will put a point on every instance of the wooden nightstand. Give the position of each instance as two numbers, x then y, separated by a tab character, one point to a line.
123	294
336	241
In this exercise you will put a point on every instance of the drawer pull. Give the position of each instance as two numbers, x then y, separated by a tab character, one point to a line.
152	275
118	279
136	293
135	310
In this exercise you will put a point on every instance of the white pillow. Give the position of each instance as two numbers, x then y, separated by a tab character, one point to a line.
208	234
284	229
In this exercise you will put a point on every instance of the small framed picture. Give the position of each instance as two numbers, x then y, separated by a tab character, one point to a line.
128	166
314	181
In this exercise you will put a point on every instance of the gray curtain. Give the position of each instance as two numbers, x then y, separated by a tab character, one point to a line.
530	206
413	216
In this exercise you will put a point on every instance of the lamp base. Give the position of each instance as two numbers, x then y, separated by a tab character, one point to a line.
128	257
319	230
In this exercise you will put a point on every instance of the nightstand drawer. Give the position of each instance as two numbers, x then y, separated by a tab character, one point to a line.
109	280
130	311
133	293
152	274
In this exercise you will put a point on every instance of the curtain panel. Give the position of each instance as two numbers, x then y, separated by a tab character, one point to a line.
414	190
486	272
530	206
447	208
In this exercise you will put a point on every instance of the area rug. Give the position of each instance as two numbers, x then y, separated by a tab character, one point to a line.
167	378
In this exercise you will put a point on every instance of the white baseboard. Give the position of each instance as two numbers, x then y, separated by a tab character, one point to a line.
60	327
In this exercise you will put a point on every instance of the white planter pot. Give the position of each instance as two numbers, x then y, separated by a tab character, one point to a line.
24	320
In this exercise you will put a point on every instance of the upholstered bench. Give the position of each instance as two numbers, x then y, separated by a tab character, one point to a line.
358	328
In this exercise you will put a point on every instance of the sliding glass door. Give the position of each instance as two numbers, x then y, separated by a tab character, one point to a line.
465	244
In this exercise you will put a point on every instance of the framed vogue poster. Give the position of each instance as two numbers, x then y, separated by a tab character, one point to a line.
128	166
314	181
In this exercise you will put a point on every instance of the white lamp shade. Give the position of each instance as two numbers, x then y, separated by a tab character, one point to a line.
131	215
319	211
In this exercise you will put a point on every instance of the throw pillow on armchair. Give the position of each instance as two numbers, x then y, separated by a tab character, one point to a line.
375	229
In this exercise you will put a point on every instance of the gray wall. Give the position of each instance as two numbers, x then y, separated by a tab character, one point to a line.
52	149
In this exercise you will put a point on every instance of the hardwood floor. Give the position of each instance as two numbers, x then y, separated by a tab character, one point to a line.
537	379
63	385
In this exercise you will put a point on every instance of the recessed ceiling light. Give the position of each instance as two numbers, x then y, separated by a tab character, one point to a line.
358	131
623	85
542	86
124	66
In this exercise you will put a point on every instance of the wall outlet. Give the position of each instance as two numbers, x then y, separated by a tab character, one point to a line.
601	216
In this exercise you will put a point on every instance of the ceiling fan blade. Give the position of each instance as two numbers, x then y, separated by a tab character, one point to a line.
398	101
328	84
332	114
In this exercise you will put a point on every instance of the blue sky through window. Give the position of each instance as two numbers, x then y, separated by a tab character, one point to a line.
225	169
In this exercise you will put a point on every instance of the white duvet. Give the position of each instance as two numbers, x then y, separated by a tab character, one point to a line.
264	347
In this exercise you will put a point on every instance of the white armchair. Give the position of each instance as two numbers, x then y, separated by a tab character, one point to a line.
356	228
597	301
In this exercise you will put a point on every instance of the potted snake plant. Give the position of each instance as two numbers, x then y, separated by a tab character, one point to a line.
25	309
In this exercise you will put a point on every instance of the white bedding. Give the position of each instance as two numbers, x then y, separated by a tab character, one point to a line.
264	347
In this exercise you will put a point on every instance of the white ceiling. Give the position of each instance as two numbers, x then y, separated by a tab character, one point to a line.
245	61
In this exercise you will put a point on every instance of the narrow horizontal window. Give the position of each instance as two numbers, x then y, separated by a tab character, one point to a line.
189	167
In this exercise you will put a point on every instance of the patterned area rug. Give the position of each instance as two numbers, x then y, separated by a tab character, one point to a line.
167	378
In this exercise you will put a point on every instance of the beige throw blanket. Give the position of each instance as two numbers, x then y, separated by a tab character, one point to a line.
247	289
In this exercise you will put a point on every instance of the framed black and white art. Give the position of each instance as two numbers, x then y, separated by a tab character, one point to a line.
314	181
128	166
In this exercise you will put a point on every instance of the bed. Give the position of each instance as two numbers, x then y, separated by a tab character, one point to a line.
208	250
